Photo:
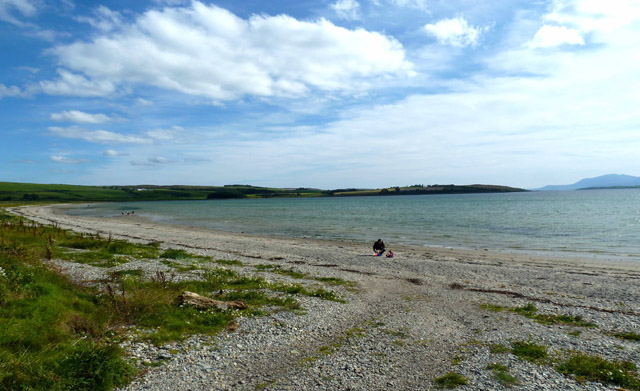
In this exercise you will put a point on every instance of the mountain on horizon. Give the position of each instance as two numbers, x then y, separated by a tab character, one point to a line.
610	180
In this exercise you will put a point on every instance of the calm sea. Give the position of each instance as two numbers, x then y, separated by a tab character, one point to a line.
596	223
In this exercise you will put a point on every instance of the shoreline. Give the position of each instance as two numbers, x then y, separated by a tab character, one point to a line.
419	315
55	212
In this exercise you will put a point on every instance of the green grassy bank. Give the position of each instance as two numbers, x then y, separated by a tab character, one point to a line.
59	335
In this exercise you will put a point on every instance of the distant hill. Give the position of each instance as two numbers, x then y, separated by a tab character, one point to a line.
611	180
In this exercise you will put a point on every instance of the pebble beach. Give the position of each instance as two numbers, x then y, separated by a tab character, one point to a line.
405	321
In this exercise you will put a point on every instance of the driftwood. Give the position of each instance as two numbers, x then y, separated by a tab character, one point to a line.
203	303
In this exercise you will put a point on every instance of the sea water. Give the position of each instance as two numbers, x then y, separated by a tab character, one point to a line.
601	224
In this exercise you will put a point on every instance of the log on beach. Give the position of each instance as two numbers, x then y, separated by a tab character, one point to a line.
201	302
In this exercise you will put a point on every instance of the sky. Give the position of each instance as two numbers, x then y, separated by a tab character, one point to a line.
323	94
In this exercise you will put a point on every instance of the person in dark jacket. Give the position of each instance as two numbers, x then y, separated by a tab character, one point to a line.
378	248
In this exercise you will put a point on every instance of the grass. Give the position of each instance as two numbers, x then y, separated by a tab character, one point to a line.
594	368
101	252
57	335
336	281
530	311
182	255
492	307
529	351
229	262
11	192
501	373
629	336
499	349
450	380
279	270
297	288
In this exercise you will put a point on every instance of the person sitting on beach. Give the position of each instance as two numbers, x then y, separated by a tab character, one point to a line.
378	248
390	254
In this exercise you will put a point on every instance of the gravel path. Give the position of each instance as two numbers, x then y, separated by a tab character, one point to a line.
411	319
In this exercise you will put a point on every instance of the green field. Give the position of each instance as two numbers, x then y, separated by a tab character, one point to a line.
19	192
11	192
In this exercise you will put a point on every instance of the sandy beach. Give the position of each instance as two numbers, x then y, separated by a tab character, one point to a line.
410	319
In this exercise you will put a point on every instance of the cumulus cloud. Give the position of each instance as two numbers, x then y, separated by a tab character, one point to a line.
455	32
66	160
80	117
98	136
347	9
551	36
207	51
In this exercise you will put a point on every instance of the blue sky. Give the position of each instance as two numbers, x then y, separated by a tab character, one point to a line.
326	94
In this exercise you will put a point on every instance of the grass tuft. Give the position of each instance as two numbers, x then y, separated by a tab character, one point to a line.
594	368
630	336
450	380
501	373
529	351
530	311
229	262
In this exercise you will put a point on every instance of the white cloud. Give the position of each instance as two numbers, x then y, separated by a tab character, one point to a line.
347	9
164	135
595	15
153	161
113	153
8	8
66	160
98	136
455	32
69	83
552	36
104	20
10	91
417	4
81	117
207	51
